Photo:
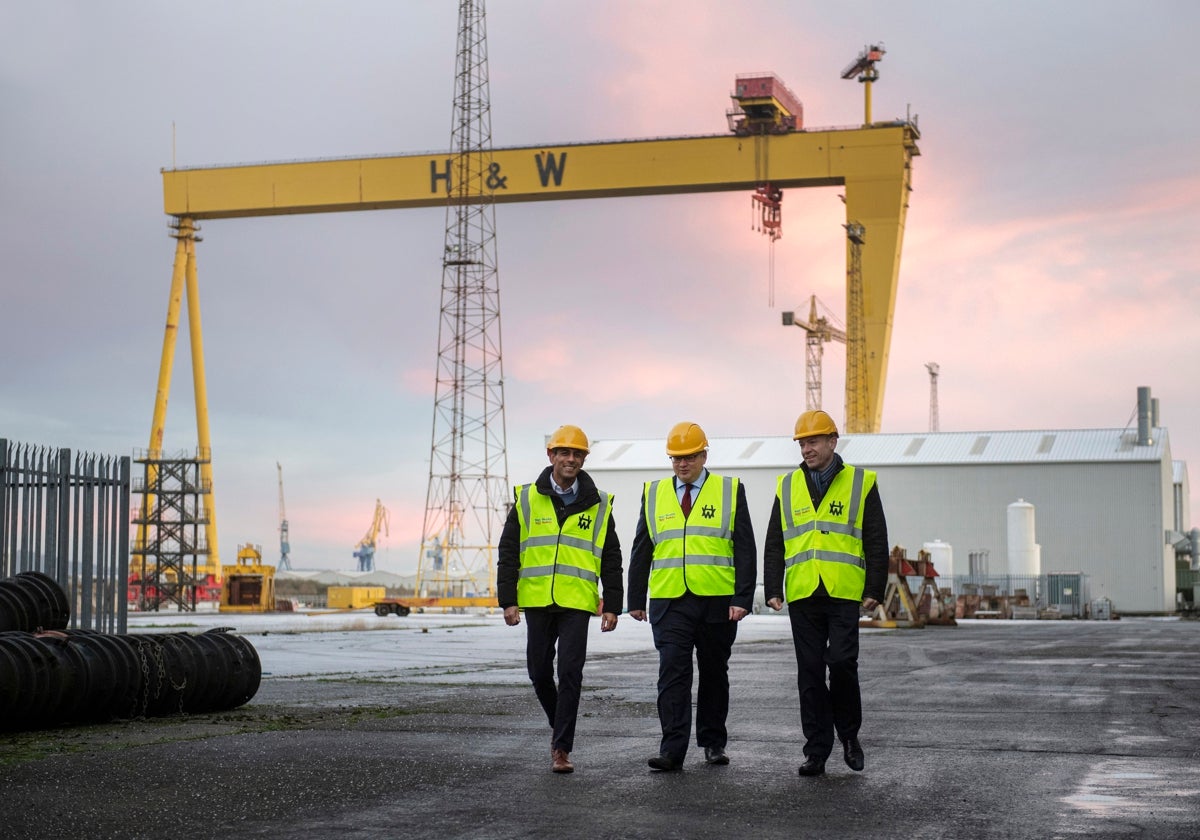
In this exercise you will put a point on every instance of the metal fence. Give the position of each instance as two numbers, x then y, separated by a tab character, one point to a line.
68	517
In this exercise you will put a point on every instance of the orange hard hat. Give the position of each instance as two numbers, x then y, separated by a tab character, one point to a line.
568	437
812	423
685	439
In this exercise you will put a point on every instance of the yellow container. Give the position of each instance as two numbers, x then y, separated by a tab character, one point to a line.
353	597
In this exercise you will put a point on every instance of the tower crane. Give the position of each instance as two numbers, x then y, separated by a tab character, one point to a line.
858	397
285	560
820	331
365	550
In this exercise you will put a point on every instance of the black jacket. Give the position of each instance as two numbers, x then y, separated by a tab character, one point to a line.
875	544
508	564
745	566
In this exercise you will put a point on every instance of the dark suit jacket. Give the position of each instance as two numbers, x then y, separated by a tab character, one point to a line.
745	564
508	563
875	544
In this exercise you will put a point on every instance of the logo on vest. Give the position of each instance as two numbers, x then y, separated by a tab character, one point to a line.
543	520
584	522
836	508
708	511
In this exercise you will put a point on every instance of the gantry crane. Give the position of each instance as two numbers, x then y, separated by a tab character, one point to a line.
365	550
873	163
285	548
819	331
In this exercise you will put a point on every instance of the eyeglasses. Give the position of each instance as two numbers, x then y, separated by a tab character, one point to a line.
685	459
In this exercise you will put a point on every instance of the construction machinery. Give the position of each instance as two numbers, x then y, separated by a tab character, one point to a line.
285	559
900	607
248	586
364	552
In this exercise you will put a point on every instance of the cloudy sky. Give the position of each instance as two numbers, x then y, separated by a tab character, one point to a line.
1049	265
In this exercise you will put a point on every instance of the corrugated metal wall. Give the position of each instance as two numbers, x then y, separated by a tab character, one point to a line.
1104	519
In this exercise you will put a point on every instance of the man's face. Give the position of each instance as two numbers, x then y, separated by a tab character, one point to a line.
688	467
565	464
817	451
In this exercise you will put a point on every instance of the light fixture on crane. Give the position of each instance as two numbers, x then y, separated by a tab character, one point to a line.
864	68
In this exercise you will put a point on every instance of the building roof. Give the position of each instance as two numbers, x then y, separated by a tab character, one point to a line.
914	448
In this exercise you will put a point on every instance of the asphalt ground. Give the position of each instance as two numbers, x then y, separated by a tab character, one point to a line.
986	730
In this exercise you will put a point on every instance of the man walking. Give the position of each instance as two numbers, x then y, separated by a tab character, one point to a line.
694	551
826	552
558	543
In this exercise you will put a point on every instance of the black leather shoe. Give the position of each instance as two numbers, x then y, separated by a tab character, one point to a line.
664	763
855	759
715	755
812	766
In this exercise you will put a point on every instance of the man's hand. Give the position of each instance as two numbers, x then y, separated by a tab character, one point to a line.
869	604
637	615
775	604
737	613
608	621
512	616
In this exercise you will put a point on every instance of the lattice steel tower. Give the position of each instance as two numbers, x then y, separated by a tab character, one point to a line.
465	504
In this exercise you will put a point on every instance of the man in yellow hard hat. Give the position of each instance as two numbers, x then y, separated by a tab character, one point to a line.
694	551
826	553
559	543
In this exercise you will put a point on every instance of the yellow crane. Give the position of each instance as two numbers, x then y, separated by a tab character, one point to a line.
873	163
365	550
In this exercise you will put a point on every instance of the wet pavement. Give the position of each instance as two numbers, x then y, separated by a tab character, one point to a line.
992	729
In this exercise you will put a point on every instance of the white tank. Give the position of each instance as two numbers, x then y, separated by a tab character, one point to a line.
942	555
1024	554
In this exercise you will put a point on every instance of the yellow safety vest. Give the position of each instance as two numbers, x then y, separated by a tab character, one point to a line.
826	544
560	565
695	554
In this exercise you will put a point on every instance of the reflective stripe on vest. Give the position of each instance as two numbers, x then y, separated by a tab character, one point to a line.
824	545
560	565
692	554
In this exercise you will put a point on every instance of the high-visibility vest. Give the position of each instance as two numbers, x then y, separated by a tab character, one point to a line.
695	553
824	544
560	565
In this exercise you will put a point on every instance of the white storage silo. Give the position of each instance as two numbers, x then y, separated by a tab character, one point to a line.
1024	554
942	556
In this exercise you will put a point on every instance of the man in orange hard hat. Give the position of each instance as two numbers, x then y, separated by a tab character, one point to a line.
826	553
559	543
694	551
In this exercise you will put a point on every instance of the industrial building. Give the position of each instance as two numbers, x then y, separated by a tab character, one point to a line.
1107	505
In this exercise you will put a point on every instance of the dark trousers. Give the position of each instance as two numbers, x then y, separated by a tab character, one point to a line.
677	633
825	633
568	629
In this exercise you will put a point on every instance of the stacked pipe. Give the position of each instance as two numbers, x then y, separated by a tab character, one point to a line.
51	676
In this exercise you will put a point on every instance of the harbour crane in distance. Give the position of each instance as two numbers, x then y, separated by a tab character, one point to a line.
820	330
365	550
285	548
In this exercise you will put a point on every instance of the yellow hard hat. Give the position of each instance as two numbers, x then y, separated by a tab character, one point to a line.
568	437
813	423
685	439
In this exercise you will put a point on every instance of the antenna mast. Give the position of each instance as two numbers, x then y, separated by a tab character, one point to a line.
465	504
933	369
